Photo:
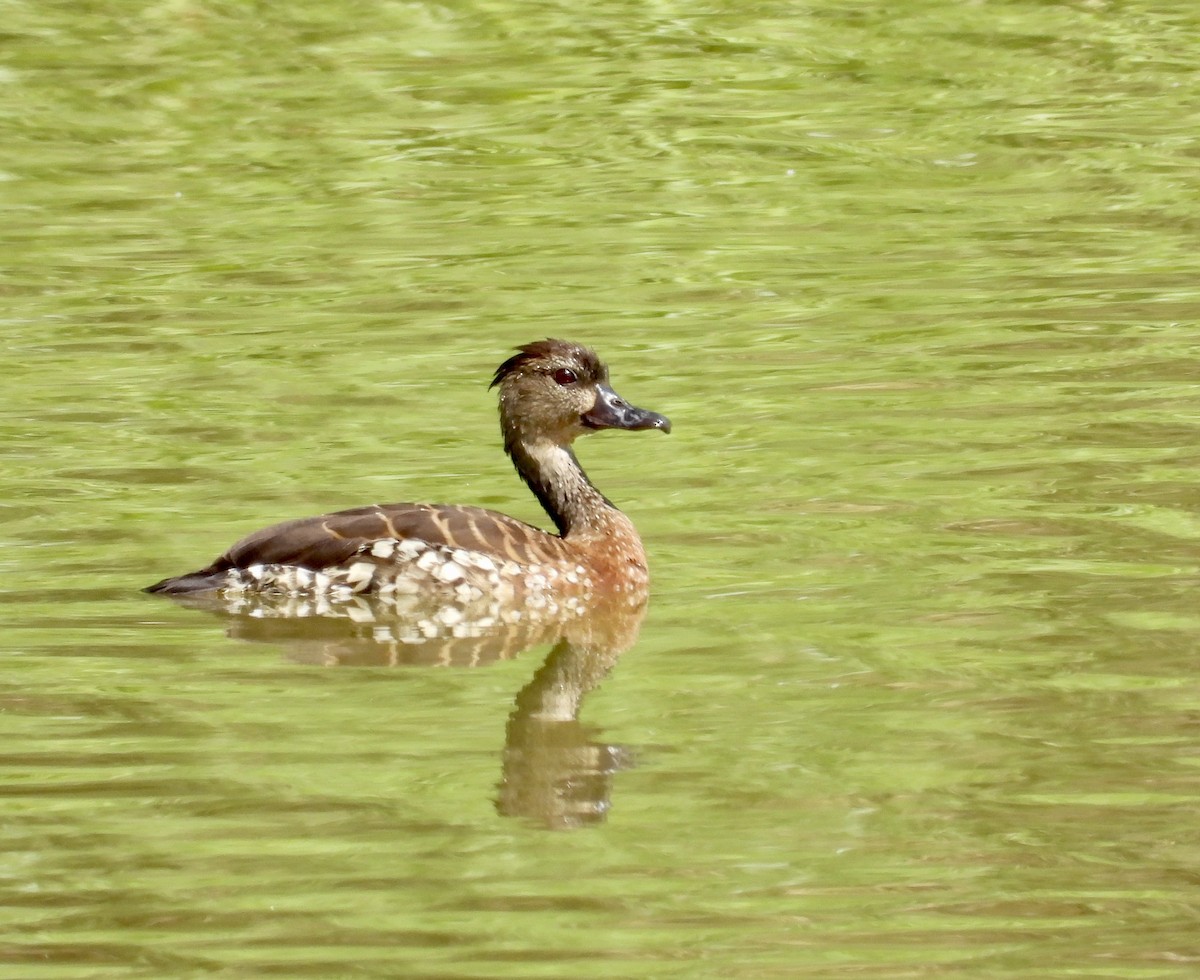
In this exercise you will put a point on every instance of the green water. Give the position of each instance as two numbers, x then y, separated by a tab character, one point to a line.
918	285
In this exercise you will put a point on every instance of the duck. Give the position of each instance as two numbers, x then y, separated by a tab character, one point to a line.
551	392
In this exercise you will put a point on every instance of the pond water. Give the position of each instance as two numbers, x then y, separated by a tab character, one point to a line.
918	285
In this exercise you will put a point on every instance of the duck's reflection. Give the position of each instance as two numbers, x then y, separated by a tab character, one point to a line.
555	772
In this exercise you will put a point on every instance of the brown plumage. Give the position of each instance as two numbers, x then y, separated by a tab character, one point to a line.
551	392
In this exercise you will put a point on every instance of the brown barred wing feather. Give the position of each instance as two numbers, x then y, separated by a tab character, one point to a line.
332	540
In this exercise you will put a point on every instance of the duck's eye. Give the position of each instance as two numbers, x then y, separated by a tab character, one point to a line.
565	376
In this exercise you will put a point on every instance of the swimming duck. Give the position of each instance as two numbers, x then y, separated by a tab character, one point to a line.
551	392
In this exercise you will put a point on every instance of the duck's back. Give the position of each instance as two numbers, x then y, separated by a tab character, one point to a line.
394	535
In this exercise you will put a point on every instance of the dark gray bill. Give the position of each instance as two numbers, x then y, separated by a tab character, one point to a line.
611	411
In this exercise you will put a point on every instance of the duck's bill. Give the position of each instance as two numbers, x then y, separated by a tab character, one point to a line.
611	411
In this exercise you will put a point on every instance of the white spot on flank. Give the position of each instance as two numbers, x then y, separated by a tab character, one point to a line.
406	586
384	548
409	548
358	576
483	562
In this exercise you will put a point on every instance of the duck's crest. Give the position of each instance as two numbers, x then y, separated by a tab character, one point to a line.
583	359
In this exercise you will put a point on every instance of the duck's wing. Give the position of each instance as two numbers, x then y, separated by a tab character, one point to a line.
331	540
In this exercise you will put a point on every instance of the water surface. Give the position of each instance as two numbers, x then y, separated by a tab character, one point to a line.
916	693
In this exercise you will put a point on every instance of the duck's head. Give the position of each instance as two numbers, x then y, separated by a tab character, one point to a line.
557	390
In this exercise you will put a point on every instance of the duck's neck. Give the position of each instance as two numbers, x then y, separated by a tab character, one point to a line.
558	481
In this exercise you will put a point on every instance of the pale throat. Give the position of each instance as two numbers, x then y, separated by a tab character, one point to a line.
574	504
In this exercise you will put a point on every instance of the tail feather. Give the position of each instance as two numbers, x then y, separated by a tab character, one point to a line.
184	584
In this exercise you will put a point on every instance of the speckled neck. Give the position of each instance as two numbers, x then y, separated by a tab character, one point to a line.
554	475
